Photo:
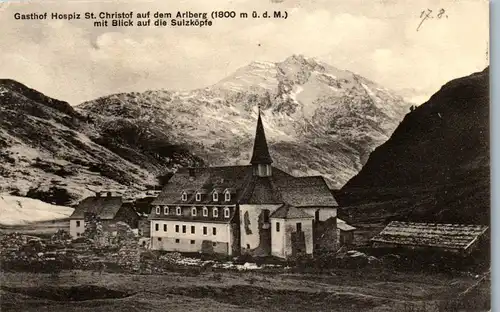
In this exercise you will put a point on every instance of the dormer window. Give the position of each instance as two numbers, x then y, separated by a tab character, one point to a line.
158	210
198	197
193	211
165	210
226	213
227	196
178	211
205	211
215	212
215	196
184	196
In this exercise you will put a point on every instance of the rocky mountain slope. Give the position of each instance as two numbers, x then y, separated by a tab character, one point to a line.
318	119
436	165
51	152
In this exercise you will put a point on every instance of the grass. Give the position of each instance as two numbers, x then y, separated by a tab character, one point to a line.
346	290
375	289
42	229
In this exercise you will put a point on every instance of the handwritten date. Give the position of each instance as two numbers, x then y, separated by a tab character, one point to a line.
430	14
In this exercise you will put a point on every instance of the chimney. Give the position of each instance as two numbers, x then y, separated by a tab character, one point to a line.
97	194
109	194
192	174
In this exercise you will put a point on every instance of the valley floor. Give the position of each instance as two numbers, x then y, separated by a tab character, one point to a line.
375	289
347	290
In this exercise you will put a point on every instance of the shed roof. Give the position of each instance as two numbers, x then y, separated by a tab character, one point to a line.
103	207
343	226
443	236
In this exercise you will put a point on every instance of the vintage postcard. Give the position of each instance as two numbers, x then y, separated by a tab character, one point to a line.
237	155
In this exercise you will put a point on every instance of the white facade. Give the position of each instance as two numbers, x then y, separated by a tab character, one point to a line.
188	236
251	230
76	227
282	240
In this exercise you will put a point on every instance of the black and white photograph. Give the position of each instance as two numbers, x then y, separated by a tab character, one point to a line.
237	155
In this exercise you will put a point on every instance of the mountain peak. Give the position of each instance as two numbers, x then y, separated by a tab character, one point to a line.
300	59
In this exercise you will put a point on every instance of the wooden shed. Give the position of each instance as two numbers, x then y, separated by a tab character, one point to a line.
453	238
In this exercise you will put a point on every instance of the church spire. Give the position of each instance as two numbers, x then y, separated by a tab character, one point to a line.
261	154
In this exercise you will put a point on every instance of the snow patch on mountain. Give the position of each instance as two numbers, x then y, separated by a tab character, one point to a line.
317	118
16	210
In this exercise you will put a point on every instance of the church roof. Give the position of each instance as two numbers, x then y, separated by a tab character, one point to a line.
246	188
306	191
288	211
260	149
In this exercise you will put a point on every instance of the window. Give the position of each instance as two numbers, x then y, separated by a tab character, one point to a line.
183	229
159	239
205	230
164	228
214	231
158	210
184	196
177	241
165	210
205	211
198	197
215	212
193	211
299	227
227	196
77	223
226	212
78	234
192	229
192	242
177	228
215	196
265	213
157	227
178	211
277	226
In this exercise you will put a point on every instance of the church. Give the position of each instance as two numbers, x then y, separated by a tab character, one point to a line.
256	209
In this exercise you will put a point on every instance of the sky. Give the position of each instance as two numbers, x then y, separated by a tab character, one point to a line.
378	39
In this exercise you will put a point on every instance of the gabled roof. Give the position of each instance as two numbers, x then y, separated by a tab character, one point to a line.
287	211
104	207
443	236
260	153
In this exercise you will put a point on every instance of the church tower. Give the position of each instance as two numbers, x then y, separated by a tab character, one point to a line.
261	159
